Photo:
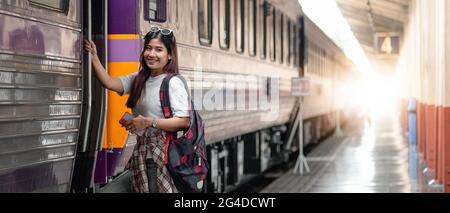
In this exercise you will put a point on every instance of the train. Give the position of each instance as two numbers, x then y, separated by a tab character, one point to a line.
59	129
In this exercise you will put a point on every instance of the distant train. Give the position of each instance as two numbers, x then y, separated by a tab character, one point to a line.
59	129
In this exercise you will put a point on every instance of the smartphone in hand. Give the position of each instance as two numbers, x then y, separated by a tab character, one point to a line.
128	117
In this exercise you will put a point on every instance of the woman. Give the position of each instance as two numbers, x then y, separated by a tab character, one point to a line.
158	58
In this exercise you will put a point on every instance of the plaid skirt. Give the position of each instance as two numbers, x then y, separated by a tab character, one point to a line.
146	148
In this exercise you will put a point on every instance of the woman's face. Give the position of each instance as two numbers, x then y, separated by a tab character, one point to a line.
156	55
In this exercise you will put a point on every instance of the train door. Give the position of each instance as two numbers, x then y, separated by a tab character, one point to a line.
124	47
94	15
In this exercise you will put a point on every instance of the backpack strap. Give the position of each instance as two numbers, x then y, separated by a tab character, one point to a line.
165	98
167	110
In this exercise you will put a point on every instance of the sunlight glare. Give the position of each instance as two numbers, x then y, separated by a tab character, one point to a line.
336	27
381	94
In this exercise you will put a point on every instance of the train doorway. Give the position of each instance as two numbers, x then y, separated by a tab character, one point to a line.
95	24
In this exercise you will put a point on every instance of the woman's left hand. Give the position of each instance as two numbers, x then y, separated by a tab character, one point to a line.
138	123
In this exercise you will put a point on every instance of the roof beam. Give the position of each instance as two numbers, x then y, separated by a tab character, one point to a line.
367	17
390	9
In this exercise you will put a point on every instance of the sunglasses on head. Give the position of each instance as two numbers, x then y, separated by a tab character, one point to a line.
163	31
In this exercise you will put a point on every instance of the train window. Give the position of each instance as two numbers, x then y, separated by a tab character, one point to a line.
314	53
273	40
320	57
263	21
324	66
155	10
313	58
281	28
289	42
205	21
321	63
296	45
316	56
56	5
240	25
317	60
305	52
252	28
310	52
224	24
327	67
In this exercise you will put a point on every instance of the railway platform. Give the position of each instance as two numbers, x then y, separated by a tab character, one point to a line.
371	157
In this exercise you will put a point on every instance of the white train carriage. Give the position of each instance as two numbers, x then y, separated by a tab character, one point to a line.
246	48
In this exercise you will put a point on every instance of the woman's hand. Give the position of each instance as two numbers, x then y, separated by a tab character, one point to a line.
138	123
111	83
90	47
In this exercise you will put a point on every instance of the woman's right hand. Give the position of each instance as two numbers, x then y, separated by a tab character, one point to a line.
111	83
90	47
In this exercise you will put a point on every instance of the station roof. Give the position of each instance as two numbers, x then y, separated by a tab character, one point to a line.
368	17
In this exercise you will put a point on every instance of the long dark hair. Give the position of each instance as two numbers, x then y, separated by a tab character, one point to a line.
171	67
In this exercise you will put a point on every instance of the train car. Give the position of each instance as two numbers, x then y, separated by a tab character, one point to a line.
59	127
330	72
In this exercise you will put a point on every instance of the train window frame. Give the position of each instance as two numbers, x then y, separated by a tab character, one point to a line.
159	9
63	9
205	41
224	23
240	25
263	28
252	22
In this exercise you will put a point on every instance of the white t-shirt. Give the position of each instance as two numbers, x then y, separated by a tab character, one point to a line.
149	104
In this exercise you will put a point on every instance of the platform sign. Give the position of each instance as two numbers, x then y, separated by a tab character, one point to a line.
300	87
388	44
